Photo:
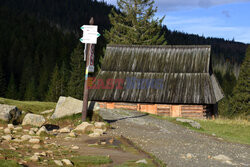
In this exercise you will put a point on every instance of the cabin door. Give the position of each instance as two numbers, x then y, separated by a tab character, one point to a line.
176	111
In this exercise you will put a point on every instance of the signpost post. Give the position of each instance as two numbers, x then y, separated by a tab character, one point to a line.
90	36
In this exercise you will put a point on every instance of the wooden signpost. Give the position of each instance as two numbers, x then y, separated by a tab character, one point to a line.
90	36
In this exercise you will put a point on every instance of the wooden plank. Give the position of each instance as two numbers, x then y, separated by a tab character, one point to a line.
127	104
192	110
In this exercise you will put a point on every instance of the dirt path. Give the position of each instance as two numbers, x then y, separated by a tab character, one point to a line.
173	144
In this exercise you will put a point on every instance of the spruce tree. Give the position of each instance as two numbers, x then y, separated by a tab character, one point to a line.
55	85
43	80
64	73
76	82
26	76
11	91
2	82
241	93
135	24
30	93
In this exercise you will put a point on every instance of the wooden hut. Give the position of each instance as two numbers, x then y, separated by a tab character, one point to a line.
188	86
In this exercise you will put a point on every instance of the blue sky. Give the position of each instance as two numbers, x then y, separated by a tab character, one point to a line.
212	18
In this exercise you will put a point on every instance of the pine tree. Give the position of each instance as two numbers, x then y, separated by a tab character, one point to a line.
2	82
241	93
55	85
76	82
135	24
30	93
64	73
43	80
25	78
11	91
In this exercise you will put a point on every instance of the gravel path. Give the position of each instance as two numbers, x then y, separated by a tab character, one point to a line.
173	144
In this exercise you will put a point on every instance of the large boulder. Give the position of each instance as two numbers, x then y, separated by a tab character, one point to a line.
9	113
67	106
33	119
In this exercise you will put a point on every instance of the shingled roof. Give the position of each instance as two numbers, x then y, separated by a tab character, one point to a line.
185	70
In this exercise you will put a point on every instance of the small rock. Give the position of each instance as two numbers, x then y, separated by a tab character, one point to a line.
191	122
58	162
7	137
49	152
31	132
213	134
67	162
21	146
184	120
25	130
34	129
11	126
34	141
34	158
37	154
229	162
1	128
95	144
17	140
43	154
142	161
103	143
22	162
68	138
94	135
222	158
18	128
189	155
25	137
12	148
36	146
75	147
72	134
99	131
7	131
100	125
85	127
41	130
195	125
64	130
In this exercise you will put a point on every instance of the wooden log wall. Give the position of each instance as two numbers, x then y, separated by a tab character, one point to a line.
189	111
